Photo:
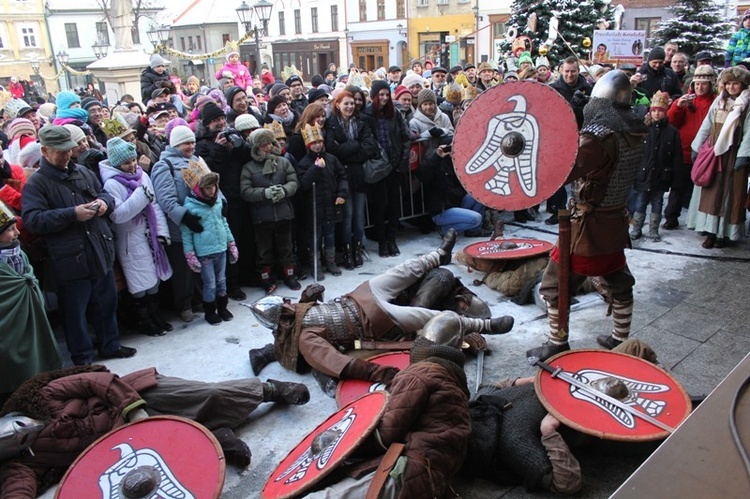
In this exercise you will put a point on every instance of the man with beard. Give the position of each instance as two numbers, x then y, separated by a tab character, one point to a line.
687	114
225	155
609	153
575	89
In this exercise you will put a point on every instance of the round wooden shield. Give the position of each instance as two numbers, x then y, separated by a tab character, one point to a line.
649	389
178	457
349	390
325	447
508	249
515	145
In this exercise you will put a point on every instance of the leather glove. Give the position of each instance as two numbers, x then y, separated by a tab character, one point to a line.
193	222
579	99
312	293
476	343
268	192
163	240
234	255
740	163
437	132
278	193
193	262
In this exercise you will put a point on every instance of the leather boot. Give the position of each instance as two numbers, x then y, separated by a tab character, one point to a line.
209	313
608	341
235	450
357	254
383	249
267	281
152	304
653	227
221	308
348	260
143	322
289	279
546	351
446	248
369	371
392	247
261	357
638	219
331	266
285	392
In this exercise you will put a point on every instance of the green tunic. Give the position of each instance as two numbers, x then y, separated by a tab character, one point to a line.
27	343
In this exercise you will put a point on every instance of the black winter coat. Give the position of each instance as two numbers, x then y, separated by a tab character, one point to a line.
330	183
441	187
225	161
76	250
399	139
351	153
567	92
150	81
665	80
662	155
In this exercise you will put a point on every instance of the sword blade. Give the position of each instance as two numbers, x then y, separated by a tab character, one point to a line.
480	370
557	372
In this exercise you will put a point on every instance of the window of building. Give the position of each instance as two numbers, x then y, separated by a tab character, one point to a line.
498	30
442	2
381	10
363	10
102	35
647	24
71	33
190	43
400	8
225	38
182	44
314	17
297	22
334	17
423	3
27	35
282	22
198	41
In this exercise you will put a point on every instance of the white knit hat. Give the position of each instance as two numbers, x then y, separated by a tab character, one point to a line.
412	79
30	155
246	122
181	134
76	134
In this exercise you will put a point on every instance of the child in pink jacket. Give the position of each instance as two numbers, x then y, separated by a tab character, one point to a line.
236	71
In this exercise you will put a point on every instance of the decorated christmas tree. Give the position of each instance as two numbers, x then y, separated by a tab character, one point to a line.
577	20
697	25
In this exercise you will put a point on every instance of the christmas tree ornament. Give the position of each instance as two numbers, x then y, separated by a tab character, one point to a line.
586	42
543	50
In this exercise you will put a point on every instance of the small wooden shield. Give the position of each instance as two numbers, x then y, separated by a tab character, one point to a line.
649	389
182	458
349	390
325	447
515	145
508	249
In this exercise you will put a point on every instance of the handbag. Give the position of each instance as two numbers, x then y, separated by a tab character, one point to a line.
378	168
705	166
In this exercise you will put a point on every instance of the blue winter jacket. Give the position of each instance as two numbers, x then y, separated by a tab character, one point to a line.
216	235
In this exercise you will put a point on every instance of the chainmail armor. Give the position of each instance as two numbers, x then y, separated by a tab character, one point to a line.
623	175
340	320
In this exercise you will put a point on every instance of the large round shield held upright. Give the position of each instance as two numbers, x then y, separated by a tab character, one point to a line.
515	145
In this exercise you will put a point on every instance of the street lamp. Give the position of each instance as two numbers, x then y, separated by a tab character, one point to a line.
400	28
100	49
35	64
262	10
158	35
62	58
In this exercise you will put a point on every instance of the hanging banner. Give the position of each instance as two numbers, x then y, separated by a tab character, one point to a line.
618	47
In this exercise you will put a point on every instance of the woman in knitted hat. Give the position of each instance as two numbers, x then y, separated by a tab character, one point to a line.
349	137
278	110
719	208
192	86
429	122
141	233
384	197
171	191
268	182
21	132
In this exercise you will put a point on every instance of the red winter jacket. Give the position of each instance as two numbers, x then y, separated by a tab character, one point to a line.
688	122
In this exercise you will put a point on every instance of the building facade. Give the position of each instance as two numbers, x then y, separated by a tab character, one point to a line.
377	33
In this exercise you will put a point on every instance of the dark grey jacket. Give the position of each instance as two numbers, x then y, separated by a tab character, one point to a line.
261	173
76	250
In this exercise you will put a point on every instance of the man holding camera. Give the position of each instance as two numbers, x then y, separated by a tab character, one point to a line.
64	204
225	151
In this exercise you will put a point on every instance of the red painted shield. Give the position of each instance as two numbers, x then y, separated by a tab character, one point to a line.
349	390
508	249
649	389
186	458
325	447
515	145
